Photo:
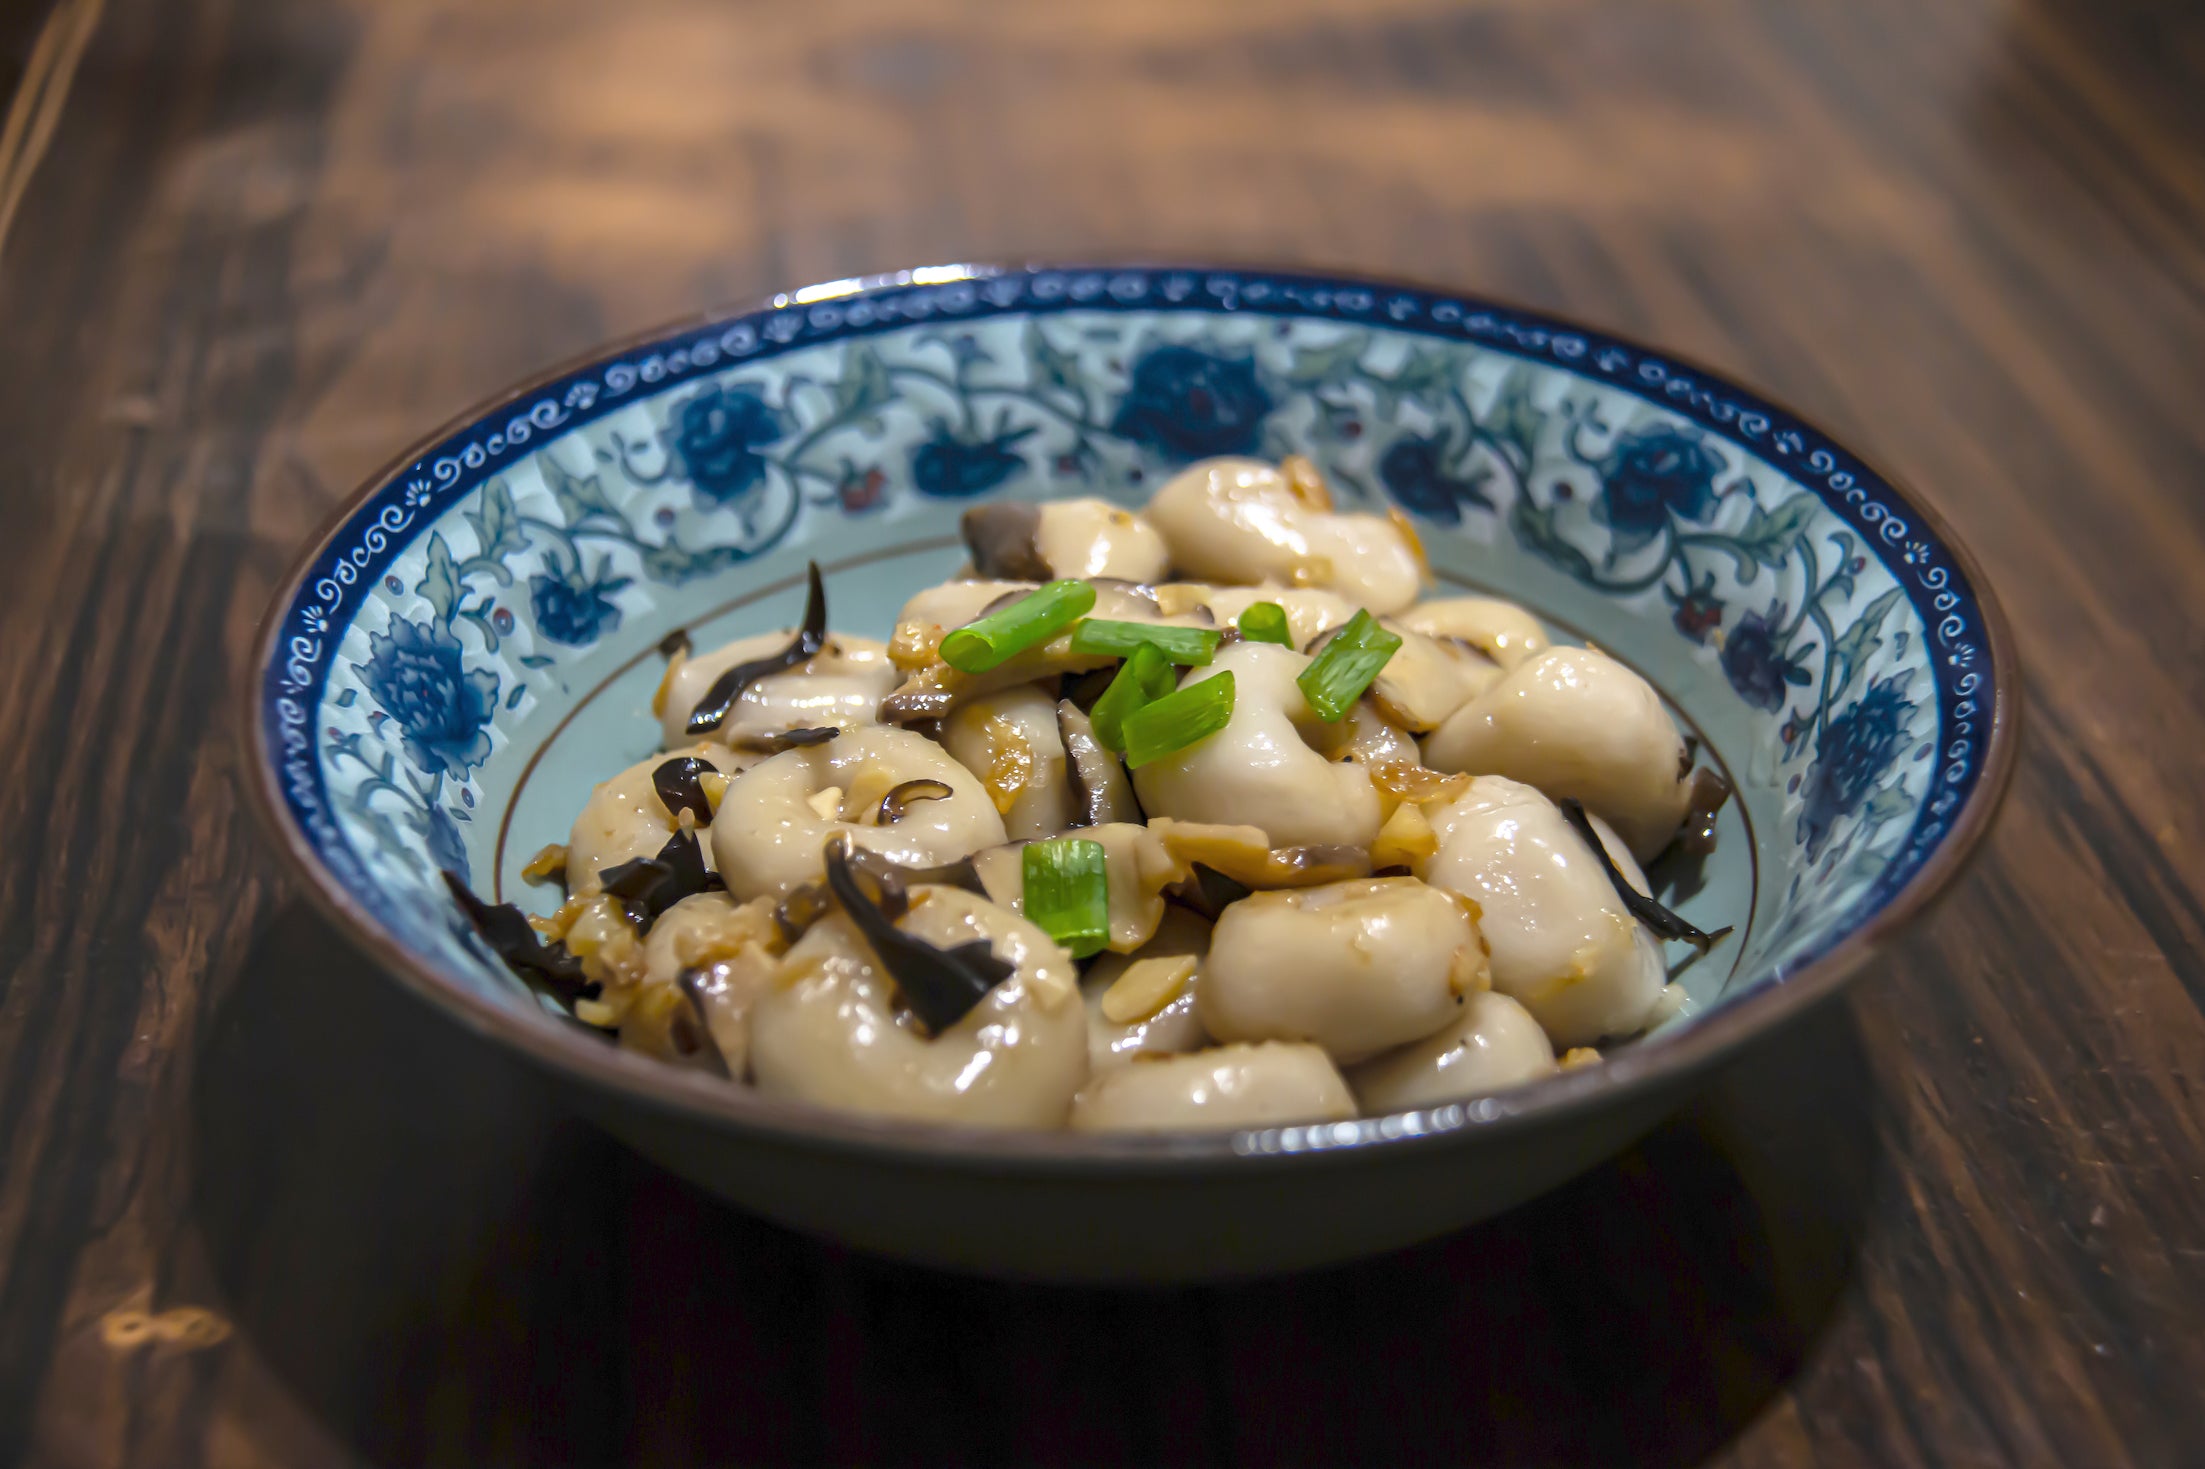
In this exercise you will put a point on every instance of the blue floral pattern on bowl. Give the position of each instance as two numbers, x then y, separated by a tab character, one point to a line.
475	610
1188	403
715	439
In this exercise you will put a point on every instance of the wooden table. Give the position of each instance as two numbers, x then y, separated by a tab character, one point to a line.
258	1208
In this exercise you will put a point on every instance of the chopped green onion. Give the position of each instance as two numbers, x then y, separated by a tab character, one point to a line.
1027	623
1175	721
1336	678
1190	647
1265	622
1068	892
1145	676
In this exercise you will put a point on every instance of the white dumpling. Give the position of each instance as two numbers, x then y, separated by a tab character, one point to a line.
842	686
1224	1087
1493	1045
1243	520
1574	722
726	951
624	819
776	818
1562	942
1501	630
1356	966
1259	770
1311	612
830	1029
1010	739
1078	538
1087	537
1155	1013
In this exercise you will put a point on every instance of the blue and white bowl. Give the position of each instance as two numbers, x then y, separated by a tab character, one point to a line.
452	665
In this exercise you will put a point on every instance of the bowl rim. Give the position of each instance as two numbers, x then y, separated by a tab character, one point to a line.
710	1101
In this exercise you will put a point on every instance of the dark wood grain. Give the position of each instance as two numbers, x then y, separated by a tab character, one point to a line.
1959	1219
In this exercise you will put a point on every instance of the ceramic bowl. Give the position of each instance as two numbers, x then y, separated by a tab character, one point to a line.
472	644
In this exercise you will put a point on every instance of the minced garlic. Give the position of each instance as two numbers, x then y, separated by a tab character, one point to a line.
915	645
1406	782
1306	481
665	688
1147	986
548	865
1406	839
1010	762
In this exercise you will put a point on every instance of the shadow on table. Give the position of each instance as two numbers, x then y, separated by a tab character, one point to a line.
445	1268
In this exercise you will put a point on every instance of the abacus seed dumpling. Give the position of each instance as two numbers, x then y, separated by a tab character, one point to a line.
1356	967
829	1030
1242	520
1089	537
1574	722
624	819
1562	942
1010	740
842	686
1138	866
1083	537
1501	630
704	929
1427	679
726	949
1225	1087
936	609
1259	770
1311	612
1492	1045
1368	737
768	836
1159	1017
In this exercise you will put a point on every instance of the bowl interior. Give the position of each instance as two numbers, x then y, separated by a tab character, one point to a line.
475	644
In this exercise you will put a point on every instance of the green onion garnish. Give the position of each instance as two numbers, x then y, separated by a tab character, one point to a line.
1189	647
1027	623
1068	893
1336	678
1265	622
1175	721
1146	675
